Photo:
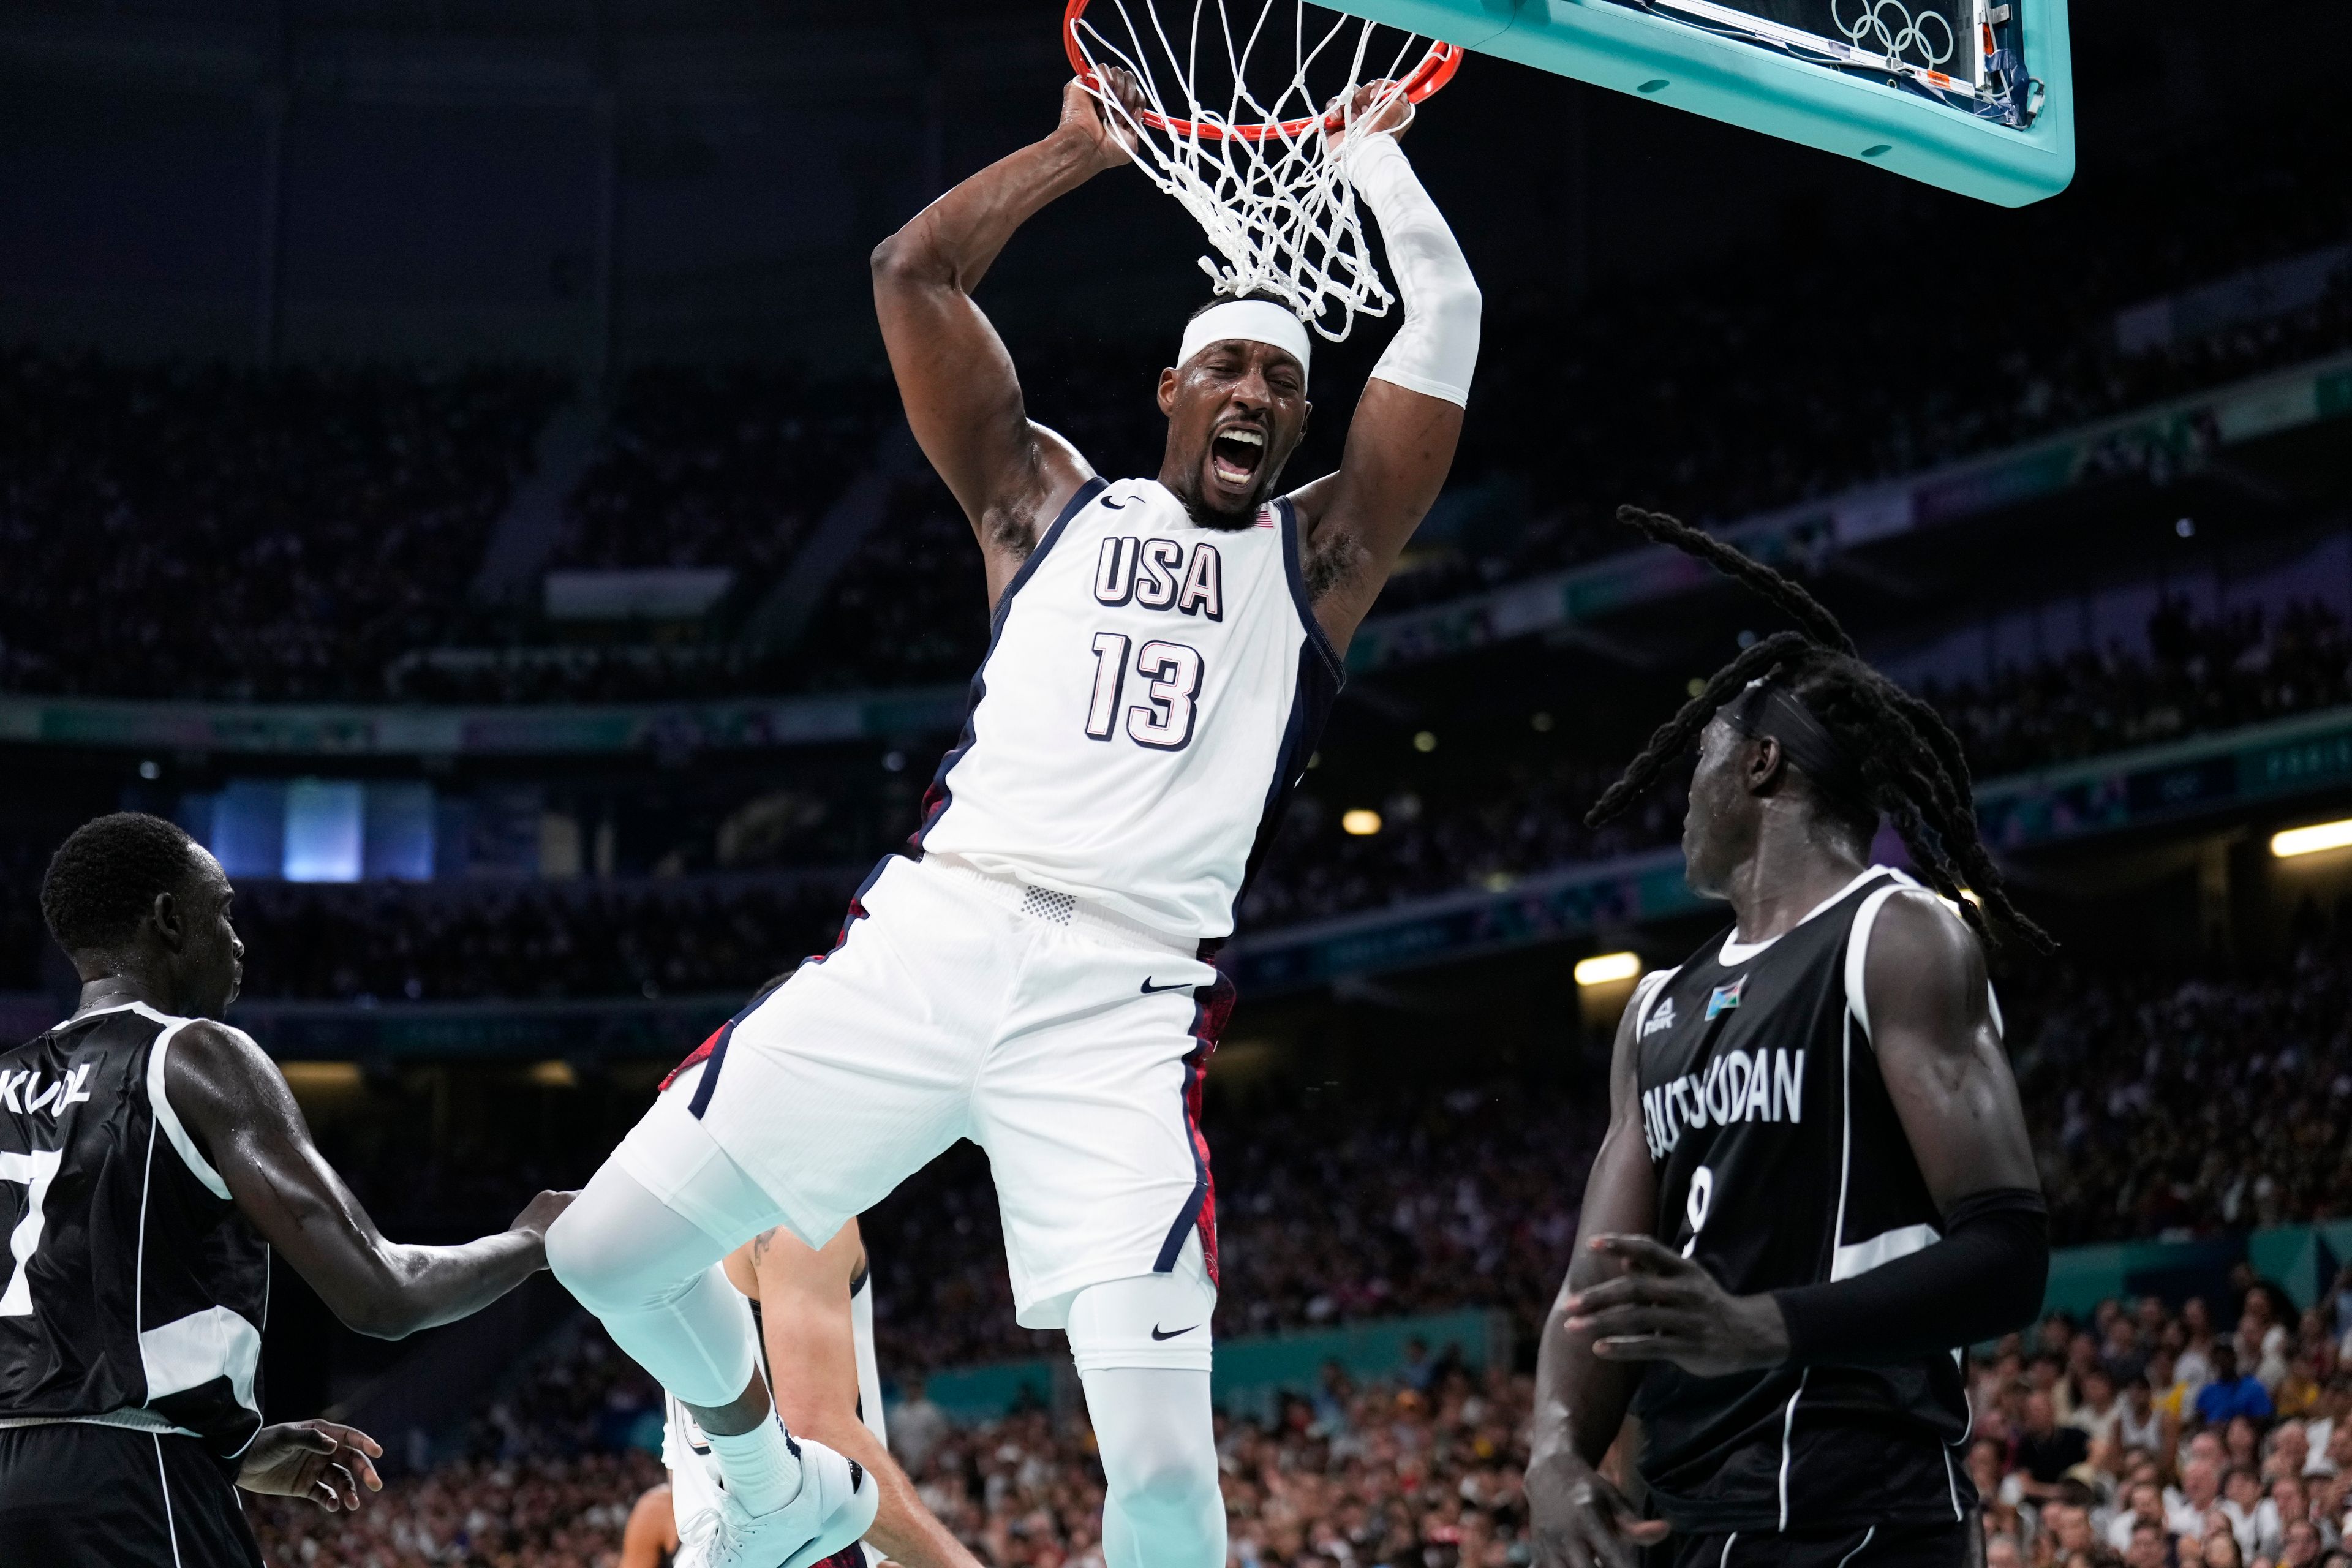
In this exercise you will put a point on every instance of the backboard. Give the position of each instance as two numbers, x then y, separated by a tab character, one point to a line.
1976	95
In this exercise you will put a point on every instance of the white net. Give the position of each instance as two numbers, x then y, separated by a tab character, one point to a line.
1239	120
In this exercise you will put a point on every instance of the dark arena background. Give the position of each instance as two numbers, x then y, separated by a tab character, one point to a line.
447	463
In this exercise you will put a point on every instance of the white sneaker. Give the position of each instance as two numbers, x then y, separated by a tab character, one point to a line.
835	1507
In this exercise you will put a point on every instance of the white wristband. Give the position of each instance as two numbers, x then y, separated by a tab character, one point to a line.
1437	348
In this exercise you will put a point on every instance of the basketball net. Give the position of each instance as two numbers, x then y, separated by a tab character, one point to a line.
1256	166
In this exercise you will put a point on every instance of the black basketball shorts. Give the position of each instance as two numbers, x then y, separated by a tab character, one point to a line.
74	1495
1943	1544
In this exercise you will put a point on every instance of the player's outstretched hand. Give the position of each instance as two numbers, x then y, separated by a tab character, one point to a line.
322	1461
1666	1308
1110	136
1580	1519
541	1212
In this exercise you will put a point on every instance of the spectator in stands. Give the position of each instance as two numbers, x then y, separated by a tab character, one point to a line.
2221	1548
916	1426
2045	1449
2144	1511
2096	1411
2287	1500
2230	1393
2139	1424
2198	1494
2242	1497
2145	1546
2320	1428
2287	1450
2262	1339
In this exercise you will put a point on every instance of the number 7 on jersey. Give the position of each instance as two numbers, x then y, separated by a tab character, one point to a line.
35	1170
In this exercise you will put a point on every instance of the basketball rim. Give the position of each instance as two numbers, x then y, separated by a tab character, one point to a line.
1437	68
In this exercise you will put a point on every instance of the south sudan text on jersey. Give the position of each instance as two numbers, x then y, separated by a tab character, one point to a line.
1768	1086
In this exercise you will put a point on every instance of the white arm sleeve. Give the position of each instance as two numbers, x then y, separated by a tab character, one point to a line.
1436	349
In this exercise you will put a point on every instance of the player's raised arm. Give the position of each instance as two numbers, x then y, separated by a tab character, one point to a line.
1579	1519
235	1102
1401	443
961	393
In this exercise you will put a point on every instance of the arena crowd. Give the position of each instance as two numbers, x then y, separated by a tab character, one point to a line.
305	534
1471	824
2213	1433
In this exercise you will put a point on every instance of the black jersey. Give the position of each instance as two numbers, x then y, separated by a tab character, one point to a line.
132	1289
1780	1162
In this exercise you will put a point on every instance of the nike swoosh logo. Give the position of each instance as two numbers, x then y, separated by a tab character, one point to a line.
1157	1334
1114	505
1151	990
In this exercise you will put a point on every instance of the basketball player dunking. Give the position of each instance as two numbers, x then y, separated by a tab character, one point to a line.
150	1159
1816	1183
1030	973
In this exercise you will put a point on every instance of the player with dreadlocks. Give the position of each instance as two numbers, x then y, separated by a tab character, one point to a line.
1816	1183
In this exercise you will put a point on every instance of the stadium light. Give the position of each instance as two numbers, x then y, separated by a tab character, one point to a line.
1608	968
1362	823
2311	840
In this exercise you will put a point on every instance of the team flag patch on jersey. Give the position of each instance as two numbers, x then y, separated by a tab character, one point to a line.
1724	998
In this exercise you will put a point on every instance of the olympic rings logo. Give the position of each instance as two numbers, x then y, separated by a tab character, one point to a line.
1905	35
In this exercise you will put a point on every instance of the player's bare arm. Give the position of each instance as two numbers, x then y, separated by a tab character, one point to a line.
1580	1519
1408	422
235	1102
1930	1023
961	393
805	1298
650	1537
1939	1050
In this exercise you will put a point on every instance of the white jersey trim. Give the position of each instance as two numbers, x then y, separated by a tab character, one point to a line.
1857	953
1736	951
1647	992
160	1103
869	1366
1884	1249
191	1352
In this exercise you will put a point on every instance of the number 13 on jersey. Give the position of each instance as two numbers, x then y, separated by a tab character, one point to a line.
1171	671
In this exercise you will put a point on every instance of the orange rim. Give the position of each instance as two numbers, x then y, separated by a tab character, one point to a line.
1435	69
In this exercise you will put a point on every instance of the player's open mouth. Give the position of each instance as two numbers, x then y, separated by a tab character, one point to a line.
1235	452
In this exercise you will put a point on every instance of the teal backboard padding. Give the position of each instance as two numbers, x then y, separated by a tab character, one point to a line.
1855	116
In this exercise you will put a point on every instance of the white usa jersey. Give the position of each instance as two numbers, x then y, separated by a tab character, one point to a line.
1151	693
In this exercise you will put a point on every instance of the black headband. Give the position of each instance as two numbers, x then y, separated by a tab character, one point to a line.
1769	709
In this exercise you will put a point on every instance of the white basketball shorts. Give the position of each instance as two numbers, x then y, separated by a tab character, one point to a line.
1067	1043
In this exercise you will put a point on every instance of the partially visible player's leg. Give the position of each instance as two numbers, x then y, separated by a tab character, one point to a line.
1087	1109
1932	1544
811	1107
648	1266
652	1275
1162	1507
78	1495
1142	1348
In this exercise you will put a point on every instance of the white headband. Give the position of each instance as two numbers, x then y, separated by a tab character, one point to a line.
1258	320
